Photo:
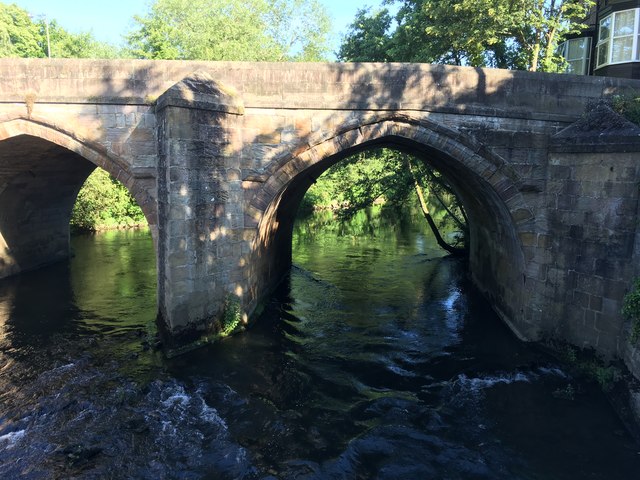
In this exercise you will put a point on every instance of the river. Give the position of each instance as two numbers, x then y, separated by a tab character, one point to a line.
374	359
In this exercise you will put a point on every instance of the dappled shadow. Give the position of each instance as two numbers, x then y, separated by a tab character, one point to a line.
223	184
455	119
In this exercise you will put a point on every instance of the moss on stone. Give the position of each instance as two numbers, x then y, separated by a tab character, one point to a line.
631	310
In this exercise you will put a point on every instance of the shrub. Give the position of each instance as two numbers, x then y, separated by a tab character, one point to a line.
231	316
104	203
627	105
631	309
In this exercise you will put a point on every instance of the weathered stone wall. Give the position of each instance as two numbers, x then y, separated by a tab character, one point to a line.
592	211
219	155
199	202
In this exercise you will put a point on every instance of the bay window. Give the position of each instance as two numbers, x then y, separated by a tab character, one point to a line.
618	38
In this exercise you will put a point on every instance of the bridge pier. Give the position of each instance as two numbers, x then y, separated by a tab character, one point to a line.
200	228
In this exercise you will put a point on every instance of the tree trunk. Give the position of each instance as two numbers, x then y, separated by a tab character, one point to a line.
434	228
534	56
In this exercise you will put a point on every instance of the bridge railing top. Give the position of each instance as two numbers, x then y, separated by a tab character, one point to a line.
323	86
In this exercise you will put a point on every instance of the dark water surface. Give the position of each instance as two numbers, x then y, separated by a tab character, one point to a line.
375	359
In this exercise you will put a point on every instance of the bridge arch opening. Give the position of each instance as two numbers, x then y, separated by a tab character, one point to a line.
41	173
487	188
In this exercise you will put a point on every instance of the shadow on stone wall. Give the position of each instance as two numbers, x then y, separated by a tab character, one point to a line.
223	177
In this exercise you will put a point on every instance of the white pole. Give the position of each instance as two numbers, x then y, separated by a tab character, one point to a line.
46	27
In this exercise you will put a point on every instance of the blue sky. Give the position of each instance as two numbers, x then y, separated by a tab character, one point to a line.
108	20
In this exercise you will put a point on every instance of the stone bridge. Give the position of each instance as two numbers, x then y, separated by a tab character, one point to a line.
219	155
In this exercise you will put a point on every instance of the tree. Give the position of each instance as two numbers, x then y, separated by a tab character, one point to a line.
231	30
517	34
21	36
64	44
103	203
369	39
300	28
396	180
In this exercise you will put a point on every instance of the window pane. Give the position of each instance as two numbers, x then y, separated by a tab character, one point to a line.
603	52
577	49
605	28
562	49
622	50
576	67
624	23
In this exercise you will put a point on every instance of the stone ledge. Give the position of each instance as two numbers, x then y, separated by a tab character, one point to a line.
599	130
200	91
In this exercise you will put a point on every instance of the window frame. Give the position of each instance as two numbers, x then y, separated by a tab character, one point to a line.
585	58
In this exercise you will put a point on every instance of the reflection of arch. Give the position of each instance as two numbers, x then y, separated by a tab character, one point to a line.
488	187
114	166
41	171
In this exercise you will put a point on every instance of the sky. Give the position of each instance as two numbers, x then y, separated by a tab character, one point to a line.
109	20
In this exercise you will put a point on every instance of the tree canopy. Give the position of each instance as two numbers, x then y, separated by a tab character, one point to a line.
517	34
21	36
256	30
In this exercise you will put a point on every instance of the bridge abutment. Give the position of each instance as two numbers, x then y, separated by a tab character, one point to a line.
591	255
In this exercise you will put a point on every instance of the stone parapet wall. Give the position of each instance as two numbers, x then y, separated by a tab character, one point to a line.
330	86
592	200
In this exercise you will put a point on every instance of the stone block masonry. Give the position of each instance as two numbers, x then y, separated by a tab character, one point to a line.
220	154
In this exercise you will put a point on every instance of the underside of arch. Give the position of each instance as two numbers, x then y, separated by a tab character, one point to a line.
486	185
41	172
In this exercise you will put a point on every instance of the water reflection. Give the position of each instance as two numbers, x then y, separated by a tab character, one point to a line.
36	306
375	359
108	288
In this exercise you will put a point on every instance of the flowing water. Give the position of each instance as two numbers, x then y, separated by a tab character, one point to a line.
375	359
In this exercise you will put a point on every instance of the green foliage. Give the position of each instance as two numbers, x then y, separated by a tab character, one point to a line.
566	393
362	180
486	33
20	36
587	363
570	354
606	376
628	106
231	316
369	38
256	30
71	45
631	310
104	203
382	176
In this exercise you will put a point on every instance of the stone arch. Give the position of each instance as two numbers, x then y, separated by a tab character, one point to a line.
489	188
37	192
116	167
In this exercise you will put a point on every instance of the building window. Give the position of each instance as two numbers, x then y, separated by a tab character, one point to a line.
576	52
618	38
